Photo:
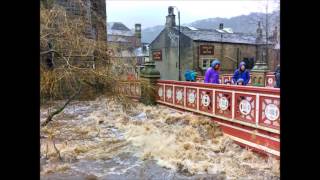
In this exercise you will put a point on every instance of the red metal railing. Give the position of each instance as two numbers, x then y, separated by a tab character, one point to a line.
257	108
270	80
243	112
254	106
130	88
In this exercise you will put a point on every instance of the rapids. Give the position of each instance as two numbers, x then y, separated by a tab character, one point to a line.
98	139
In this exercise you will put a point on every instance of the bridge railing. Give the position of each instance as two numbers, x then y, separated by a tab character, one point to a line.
257	107
130	88
270	79
249	115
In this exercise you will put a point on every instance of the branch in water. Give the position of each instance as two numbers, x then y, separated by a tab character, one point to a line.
49	118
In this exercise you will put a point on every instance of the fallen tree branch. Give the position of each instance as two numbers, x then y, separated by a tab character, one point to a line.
58	152
49	118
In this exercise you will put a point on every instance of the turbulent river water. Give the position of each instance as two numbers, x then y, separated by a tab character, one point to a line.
98	140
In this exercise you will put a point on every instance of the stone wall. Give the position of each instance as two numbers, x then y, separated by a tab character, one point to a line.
229	54
226	53
168	65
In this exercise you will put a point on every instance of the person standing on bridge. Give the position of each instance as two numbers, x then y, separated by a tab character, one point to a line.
241	73
212	73
190	75
277	77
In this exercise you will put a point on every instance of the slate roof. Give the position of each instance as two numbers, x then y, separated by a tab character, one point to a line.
118	28
216	35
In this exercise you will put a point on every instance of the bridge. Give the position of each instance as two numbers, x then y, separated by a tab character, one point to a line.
247	114
270	79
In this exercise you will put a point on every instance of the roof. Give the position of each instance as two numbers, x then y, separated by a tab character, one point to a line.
118	28
113	38
216	35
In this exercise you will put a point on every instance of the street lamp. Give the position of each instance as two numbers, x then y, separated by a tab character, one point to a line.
178	43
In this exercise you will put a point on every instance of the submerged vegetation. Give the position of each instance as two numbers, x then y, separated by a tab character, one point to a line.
95	131
88	126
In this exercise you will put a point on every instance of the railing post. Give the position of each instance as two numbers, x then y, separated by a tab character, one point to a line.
148	80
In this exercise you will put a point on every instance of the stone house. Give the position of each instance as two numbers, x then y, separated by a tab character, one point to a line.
198	47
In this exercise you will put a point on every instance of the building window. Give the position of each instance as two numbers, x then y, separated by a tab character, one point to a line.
206	62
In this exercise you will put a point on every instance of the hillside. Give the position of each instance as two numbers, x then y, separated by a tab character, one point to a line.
243	24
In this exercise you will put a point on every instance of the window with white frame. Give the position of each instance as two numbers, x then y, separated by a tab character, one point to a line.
206	62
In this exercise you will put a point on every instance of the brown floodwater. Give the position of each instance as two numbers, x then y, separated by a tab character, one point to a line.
98	140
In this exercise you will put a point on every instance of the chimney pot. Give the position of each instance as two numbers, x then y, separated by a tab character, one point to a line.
137	27
221	26
170	10
138	34
171	18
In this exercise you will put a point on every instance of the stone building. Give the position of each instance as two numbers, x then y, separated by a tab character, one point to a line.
120	35
93	13
198	47
125	45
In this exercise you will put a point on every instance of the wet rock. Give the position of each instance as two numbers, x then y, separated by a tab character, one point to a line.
141	116
100	121
91	177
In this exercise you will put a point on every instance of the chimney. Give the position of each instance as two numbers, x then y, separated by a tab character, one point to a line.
137	33
221	26
171	18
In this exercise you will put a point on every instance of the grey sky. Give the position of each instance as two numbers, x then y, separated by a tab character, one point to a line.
152	12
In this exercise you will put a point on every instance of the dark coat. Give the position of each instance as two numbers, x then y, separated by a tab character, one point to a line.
277	77
238	74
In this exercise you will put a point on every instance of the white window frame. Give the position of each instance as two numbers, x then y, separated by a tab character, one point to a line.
209	59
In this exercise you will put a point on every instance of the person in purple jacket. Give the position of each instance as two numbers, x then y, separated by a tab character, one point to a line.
241	73
212	73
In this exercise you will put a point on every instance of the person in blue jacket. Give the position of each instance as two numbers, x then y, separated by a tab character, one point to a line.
190	75
187	75
241	73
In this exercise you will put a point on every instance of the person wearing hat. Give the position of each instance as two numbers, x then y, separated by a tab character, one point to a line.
241	73
187	75
212	73
190	75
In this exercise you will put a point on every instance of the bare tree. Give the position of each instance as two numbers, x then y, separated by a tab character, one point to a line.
73	64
